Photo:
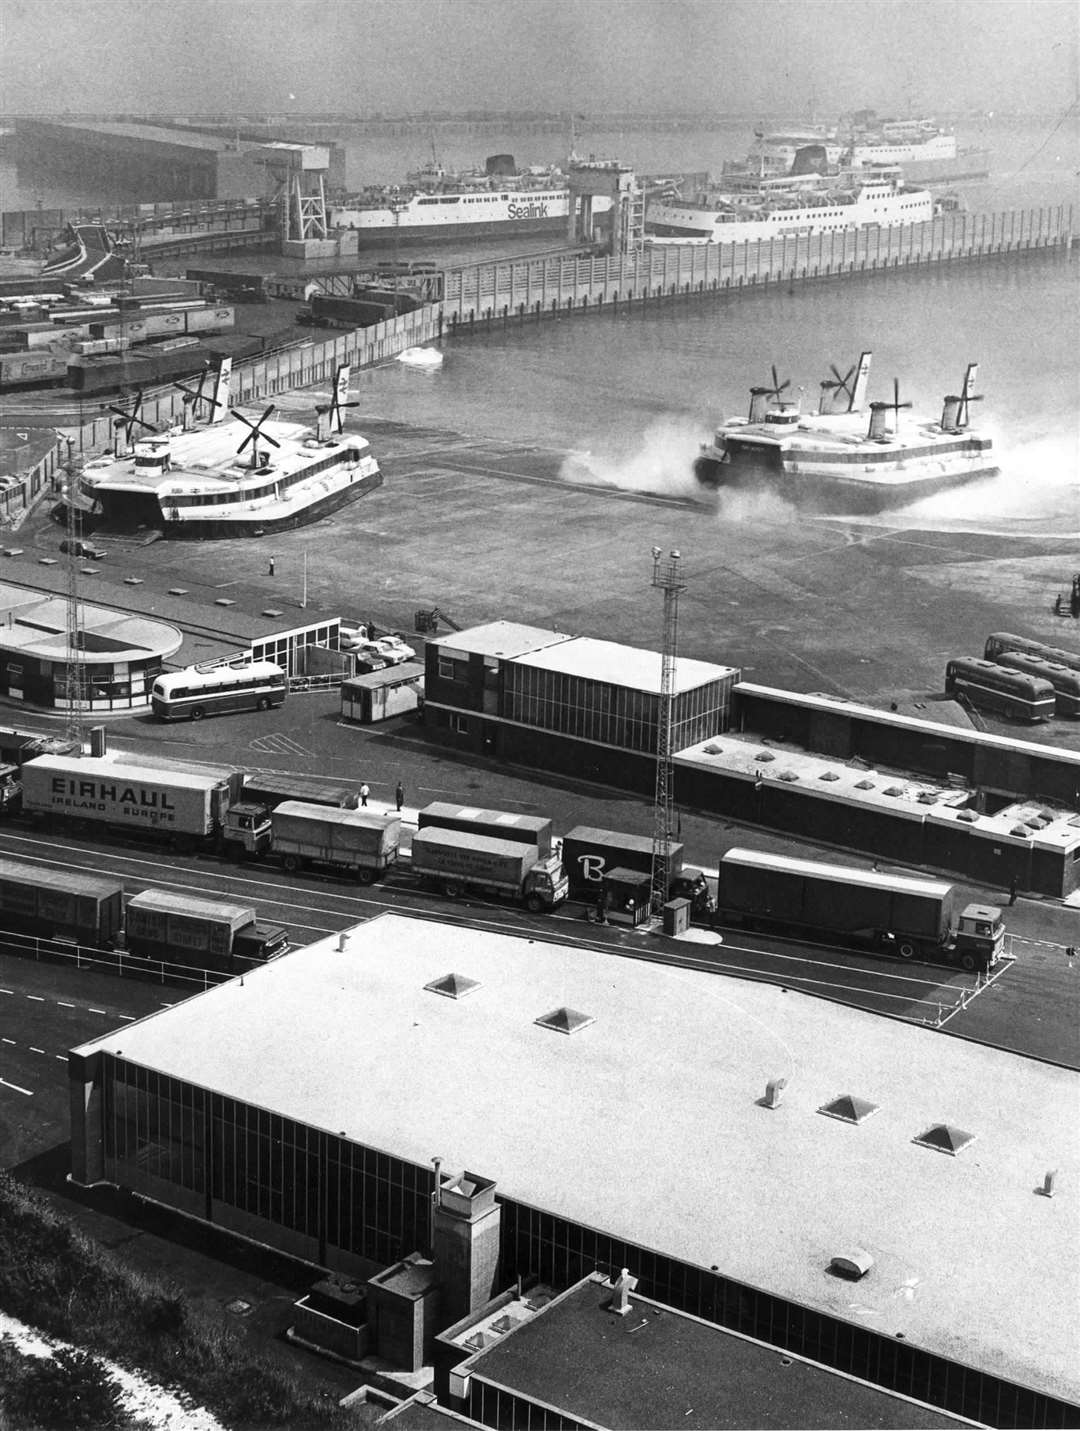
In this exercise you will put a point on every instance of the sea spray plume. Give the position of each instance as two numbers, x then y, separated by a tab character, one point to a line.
659	461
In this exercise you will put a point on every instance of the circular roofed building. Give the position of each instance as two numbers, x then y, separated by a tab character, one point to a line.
121	653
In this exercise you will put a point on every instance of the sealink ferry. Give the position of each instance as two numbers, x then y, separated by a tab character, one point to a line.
927	153
201	481
434	204
838	460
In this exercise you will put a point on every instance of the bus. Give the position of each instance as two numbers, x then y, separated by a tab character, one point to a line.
1066	682
1005	641
996	688
219	689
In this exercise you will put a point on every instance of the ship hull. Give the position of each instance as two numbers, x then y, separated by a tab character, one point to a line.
438	233
123	519
820	490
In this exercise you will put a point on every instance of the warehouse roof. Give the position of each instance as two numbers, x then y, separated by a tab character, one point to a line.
671	1148
618	665
748	757
657	1366
500	638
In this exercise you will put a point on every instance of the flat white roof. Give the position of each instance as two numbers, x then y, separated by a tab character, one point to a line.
868	879
647	1123
104	767
621	665
748	758
500	638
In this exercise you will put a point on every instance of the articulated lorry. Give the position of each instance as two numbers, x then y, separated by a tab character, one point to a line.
913	918
357	842
188	809
457	861
588	854
200	933
60	904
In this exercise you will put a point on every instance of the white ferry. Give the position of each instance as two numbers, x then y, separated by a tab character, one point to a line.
925	152
881	200
436	205
199	481
837	460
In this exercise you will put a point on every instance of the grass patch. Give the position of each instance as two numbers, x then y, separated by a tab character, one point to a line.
56	1279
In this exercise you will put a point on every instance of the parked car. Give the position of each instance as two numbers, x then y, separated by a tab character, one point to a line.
82	549
394	649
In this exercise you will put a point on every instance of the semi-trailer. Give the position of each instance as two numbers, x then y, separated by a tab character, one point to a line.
589	853
913	918
60	904
200	933
457	861
187	808
357	842
532	830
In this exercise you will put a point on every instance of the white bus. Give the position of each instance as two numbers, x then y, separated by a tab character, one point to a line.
216	690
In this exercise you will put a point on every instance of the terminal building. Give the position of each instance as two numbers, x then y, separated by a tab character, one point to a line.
993	809
883	1199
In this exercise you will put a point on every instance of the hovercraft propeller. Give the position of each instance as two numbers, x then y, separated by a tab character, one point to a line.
255	433
130	420
777	386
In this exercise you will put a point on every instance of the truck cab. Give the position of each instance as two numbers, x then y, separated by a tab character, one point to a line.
691	884
546	884
246	830
980	936
10	790
257	943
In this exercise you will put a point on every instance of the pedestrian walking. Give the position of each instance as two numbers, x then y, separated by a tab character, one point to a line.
364	793
1012	890
272	563
399	794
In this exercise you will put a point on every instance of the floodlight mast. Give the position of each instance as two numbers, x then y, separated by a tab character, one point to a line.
665	578
75	684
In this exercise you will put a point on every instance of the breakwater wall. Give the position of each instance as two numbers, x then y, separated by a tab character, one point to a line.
561	285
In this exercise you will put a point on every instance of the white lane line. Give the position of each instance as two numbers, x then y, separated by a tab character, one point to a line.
62	1005
28	1091
36	998
10	1041
6	991
96	1011
129	1017
61	1056
36	1050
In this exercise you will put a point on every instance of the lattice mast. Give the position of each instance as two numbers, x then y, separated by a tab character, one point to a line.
665	577
75	675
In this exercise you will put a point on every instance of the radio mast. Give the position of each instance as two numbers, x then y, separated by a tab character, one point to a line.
665	578
75	678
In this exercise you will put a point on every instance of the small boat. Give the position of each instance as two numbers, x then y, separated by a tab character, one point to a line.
198	480
837	459
427	358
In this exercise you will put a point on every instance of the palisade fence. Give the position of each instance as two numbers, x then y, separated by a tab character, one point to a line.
261	378
559	286
538	287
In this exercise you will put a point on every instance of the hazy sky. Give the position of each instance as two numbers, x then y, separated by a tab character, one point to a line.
749	56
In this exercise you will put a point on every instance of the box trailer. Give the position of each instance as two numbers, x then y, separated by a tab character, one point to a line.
359	842
589	853
201	933
187	807
457	861
532	830
914	918
60	904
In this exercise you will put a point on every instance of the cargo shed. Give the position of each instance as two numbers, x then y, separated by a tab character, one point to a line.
378	695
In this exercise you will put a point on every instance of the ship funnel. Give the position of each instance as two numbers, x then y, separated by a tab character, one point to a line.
950	413
759	404
877	420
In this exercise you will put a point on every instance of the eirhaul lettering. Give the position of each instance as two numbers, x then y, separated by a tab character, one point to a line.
101	793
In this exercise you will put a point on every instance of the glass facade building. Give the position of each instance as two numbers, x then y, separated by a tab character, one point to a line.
338	1203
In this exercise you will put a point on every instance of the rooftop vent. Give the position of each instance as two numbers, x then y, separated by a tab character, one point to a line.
452	986
791	776
848	1108
968	816
852	1263
864	785
713	749
764	755
566	1021
828	775
944	1138
893	790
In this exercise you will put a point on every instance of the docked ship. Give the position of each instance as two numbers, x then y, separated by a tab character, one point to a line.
199	481
437	205
840	460
927	153
814	205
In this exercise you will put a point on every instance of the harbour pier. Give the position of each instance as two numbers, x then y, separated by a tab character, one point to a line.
561	286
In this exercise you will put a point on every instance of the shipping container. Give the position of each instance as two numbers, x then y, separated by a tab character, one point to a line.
184	806
64	904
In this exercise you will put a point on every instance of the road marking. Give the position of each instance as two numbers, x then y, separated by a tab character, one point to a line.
96	1011
130	1017
37	998
10	1041
63	1005
61	1056
36	1050
6	991
28	1091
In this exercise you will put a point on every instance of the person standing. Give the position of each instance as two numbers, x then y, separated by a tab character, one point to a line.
1012	890
364	793
399	794
273	561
